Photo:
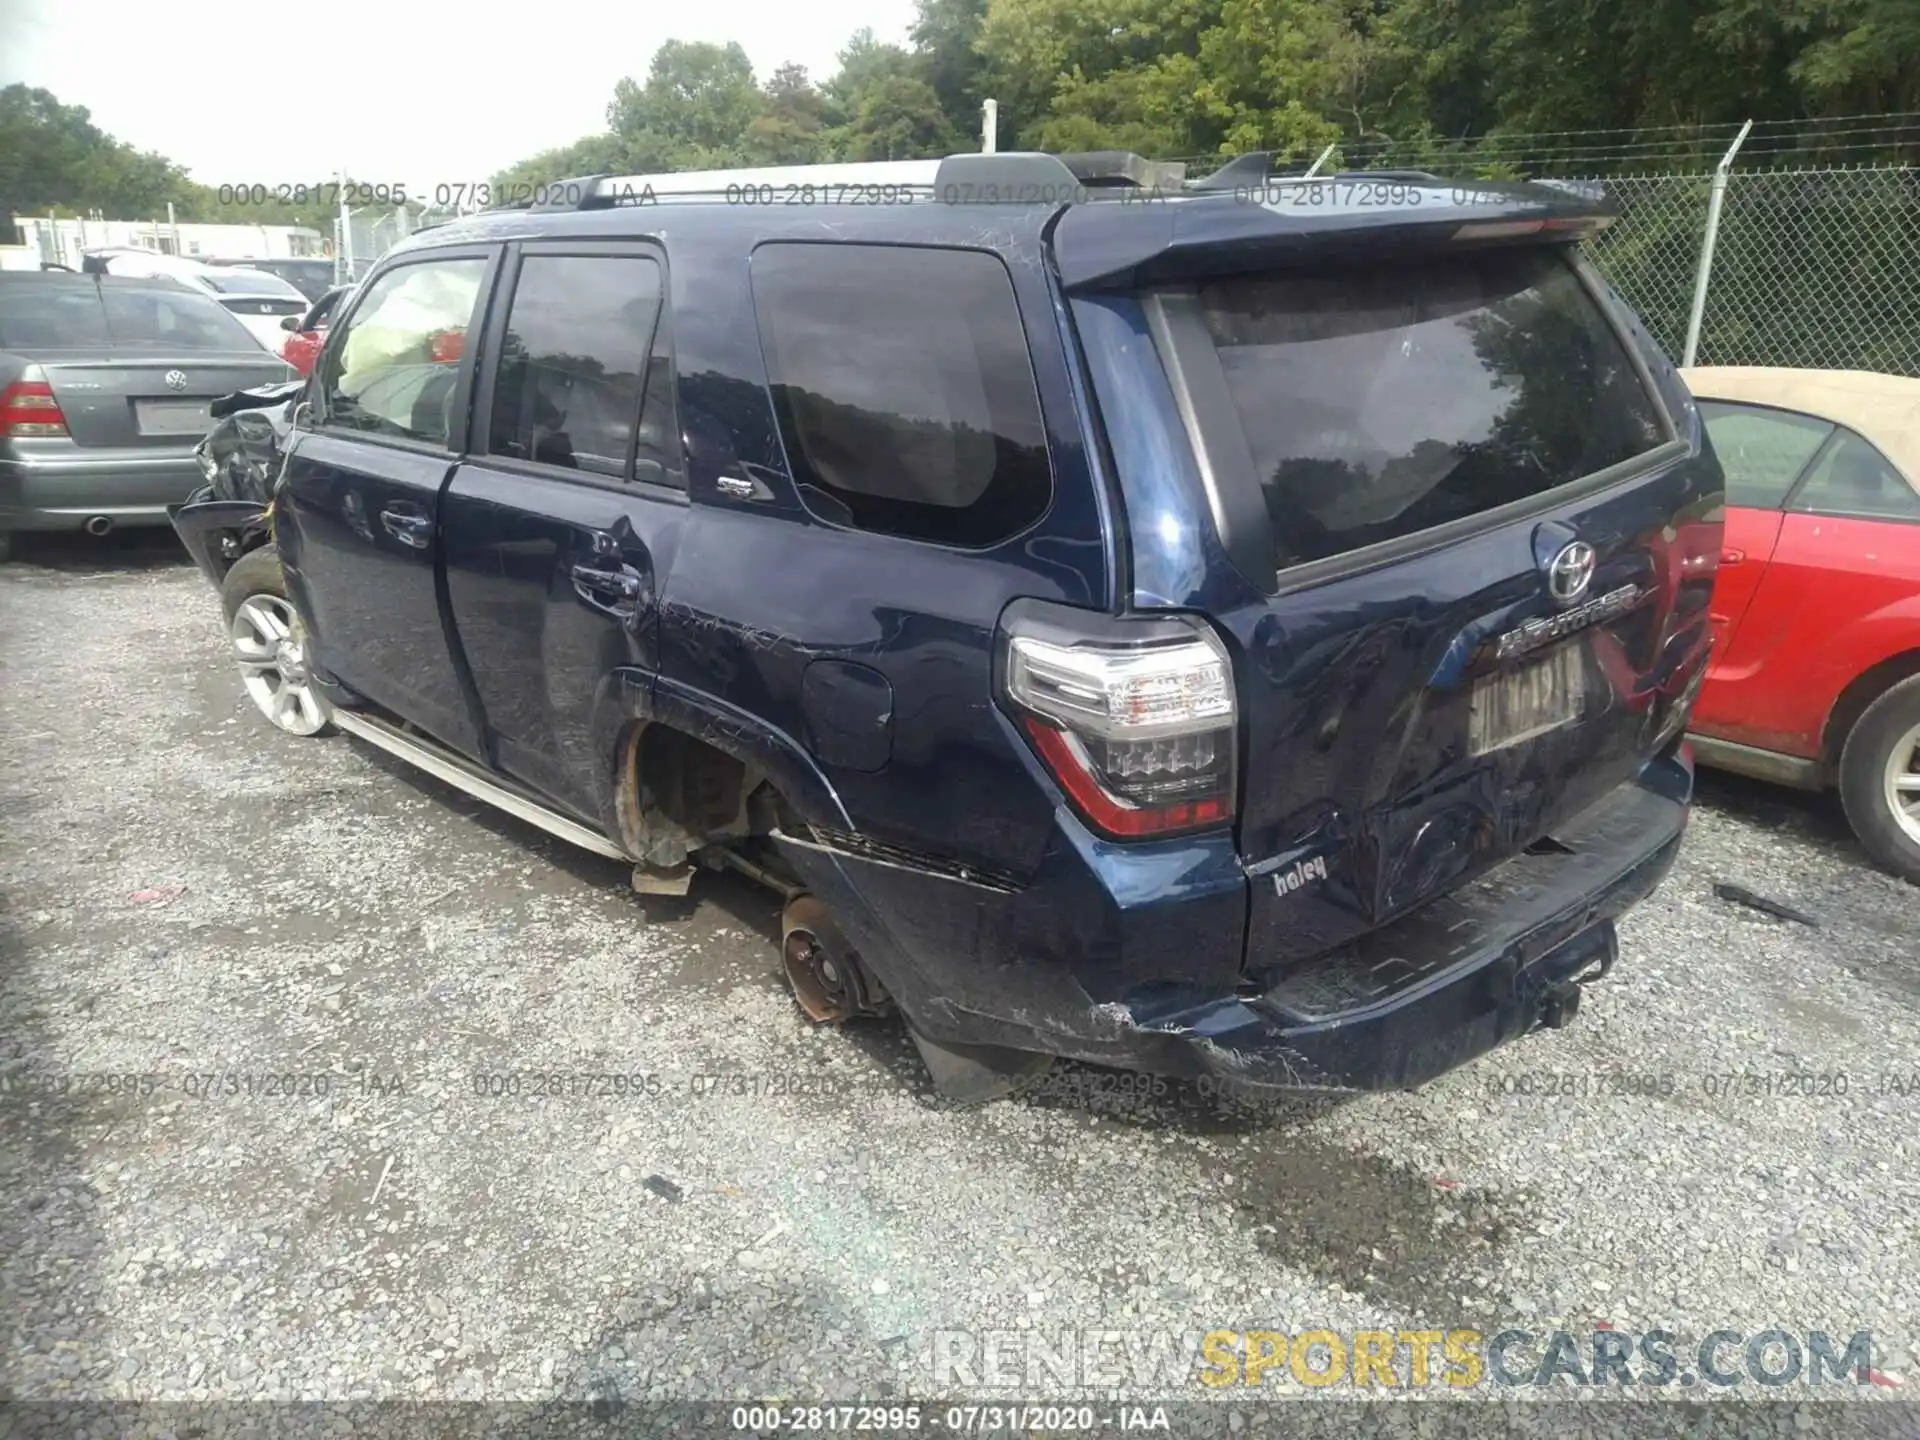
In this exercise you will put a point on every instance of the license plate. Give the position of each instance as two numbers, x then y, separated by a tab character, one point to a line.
1538	697
172	417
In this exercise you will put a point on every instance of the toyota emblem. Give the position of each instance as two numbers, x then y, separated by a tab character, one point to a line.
177	380
1571	572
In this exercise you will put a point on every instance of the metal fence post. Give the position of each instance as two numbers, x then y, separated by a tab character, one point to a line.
1714	201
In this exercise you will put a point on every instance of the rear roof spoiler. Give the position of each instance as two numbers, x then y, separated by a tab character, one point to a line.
1100	247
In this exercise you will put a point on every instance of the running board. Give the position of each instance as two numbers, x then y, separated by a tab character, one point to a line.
462	775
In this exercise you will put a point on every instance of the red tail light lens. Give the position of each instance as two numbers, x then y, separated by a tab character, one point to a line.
27	408
1141	738
447	346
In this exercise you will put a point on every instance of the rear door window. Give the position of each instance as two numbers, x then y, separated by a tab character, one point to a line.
904	390
1378	401
394	370
574	364
1761	450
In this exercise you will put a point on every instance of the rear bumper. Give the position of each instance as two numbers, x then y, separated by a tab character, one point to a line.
215	532
1490	962
64	492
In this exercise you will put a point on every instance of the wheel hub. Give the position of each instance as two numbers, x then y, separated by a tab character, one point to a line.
1902	783
291	664
818	983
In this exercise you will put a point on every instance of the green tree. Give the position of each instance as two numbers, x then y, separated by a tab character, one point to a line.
946	35
792	127
694	111
53	157
885	107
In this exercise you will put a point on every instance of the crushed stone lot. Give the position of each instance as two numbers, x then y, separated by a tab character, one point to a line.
319	1080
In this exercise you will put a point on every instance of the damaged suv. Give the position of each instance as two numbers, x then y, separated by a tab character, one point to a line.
1239	627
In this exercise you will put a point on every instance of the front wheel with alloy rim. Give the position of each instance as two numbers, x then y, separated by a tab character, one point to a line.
268	642
1880	779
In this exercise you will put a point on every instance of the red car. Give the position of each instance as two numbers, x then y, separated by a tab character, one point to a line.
1815	678
308	332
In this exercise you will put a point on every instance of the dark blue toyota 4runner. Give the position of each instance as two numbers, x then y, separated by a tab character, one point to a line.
1241	627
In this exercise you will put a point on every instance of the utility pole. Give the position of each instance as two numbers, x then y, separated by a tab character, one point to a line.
990	129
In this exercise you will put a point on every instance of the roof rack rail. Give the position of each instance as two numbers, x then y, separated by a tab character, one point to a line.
1256	168
1016	176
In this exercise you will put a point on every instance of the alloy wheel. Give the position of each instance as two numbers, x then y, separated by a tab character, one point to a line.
269	643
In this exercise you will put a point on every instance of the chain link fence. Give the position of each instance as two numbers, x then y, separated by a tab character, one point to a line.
1652	252
365	235
1814	269
1818	269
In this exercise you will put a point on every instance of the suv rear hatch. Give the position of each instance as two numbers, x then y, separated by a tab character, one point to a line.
1465	568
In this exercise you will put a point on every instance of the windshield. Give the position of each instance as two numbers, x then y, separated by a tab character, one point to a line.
1379	401
250	282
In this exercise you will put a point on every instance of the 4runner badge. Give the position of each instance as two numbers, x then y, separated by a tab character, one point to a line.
1285	882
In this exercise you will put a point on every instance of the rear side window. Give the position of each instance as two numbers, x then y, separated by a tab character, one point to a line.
904	390
1382	400
46	317
172	320
1762	451
394	367
573	367
1854	478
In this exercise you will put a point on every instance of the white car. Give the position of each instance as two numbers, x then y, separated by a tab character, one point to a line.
256	299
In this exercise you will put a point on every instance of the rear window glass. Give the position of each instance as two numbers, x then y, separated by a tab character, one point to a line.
1380	401
175	319
250	282
47	317
904	390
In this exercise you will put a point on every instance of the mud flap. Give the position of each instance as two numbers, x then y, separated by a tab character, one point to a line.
975	1074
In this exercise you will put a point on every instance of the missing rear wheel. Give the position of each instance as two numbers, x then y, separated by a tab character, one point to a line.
827	976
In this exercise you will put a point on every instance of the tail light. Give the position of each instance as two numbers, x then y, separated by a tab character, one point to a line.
1139	733
27	408
445	347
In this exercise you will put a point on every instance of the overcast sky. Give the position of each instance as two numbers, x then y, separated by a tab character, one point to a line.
411	91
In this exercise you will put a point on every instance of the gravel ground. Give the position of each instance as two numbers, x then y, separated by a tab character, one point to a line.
186	894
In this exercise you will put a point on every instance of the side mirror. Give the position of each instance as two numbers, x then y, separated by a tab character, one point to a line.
291	324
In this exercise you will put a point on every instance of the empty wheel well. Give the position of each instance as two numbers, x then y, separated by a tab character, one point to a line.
1869	685
676	794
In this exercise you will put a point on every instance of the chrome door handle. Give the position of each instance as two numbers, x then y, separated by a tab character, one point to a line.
408	528
619	584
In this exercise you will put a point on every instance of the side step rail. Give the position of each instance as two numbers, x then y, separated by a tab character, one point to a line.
462	775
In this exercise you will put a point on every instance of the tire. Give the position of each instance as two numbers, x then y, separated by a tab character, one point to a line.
1879	770
267	640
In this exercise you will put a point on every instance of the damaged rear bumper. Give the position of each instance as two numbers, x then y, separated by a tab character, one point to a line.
216	532
1498	958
